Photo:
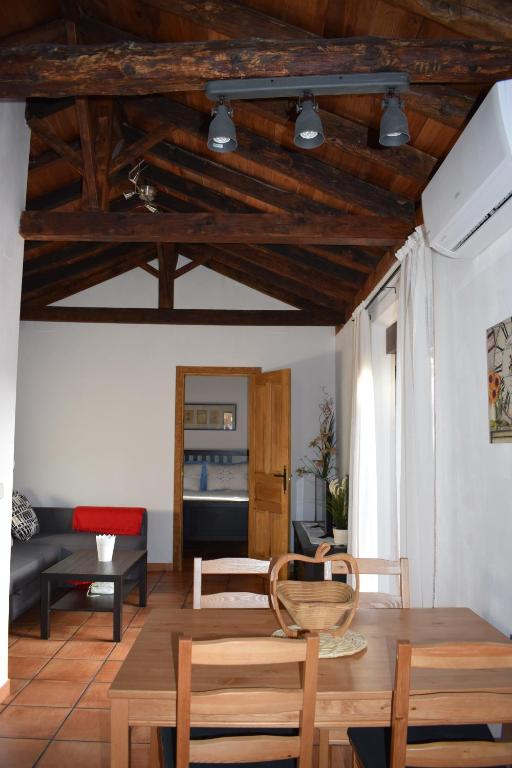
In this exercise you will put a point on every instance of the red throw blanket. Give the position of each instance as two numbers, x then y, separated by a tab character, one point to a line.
123	521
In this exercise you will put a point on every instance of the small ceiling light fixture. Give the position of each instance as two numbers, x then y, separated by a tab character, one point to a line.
145	192
222	131
309	131
394	128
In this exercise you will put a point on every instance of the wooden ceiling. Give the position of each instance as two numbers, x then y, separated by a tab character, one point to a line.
316	229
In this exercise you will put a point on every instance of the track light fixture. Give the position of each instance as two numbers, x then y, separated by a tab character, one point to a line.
394	128
309	132
222	131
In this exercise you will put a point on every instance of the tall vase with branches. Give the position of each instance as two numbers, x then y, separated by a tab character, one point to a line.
322	462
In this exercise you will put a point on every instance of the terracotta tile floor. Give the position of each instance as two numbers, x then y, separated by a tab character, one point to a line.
58	713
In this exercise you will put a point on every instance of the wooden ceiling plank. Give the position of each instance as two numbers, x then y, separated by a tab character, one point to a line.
264	317
50	32
303	258
201	197
141	68
268	159
205	227
487	19
212	175
167	260
254	261
137	148
50	138
56	199
230	19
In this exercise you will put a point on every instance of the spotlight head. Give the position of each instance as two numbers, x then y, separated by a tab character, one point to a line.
151	208
222	132
147	192
394	129
128	195
309	131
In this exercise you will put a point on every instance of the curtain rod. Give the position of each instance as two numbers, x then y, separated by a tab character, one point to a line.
382	285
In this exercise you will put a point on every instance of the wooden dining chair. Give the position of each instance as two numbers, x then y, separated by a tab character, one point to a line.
445	746
376	566
229	566
367	566
184	745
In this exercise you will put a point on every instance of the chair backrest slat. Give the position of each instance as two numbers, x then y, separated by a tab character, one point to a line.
456	657
377	566
229	566
300	702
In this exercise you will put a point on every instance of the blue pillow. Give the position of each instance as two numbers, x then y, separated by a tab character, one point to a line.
203	480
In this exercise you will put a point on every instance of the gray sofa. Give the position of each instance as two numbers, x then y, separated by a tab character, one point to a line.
55	541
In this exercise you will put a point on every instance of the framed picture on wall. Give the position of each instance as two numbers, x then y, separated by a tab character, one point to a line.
220	416
499	381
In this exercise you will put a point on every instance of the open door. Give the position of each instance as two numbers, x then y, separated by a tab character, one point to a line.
269	456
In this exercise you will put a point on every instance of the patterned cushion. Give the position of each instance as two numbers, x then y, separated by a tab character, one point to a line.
227	477
24	523
192	477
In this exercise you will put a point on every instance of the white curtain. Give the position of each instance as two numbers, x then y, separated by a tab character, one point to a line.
363	527
415	433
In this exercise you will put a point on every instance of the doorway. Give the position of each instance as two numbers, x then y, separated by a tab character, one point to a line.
267	461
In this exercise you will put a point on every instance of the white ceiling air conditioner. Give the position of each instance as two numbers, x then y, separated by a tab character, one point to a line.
468	203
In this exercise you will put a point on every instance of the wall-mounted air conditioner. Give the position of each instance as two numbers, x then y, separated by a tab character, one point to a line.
468	203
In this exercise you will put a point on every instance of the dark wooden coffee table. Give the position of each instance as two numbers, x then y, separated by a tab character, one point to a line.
85	566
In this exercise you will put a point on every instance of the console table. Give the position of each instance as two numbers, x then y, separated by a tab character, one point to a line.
306	539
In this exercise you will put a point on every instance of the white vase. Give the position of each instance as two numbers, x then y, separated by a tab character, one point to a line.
340	536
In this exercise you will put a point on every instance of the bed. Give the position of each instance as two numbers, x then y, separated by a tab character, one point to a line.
215	495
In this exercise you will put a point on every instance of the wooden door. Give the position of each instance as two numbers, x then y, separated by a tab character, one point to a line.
269	456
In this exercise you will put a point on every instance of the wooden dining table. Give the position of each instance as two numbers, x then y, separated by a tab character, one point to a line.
352	690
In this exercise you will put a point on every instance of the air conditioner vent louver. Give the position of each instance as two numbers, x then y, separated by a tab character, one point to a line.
483	220
467	205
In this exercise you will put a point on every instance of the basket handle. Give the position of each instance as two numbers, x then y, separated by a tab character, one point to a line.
320	556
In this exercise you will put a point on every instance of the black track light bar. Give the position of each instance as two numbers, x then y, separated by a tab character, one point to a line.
296	87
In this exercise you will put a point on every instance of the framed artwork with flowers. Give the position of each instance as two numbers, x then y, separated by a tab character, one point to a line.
499	380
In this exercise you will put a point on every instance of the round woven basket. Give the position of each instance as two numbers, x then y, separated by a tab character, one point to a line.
314	606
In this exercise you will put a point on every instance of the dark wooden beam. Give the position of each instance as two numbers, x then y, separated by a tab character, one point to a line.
242	261
199	260
57	198
272	162
89	188
213	228
103	113
51	139
167	259
441	103
141	68
150	269
134	151
59	259
488	19
77	277
237	185
280	263
262	317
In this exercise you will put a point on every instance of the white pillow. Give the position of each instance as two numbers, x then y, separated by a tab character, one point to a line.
227	477
192	477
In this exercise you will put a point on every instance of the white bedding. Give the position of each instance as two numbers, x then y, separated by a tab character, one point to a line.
225	495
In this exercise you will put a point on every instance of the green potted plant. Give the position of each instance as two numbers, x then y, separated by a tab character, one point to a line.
337	506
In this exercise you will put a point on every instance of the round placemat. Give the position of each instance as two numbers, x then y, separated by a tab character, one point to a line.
331	647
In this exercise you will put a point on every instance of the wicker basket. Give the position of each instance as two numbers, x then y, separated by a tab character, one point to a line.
328	606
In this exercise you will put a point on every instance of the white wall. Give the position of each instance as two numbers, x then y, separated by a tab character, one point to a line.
14	146
95	416
474	477
218	389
